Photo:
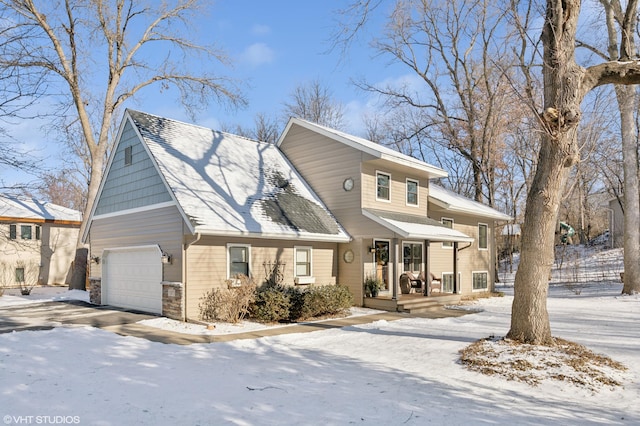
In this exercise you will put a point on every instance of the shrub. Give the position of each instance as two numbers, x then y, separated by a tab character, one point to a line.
323	300
230	304
272	304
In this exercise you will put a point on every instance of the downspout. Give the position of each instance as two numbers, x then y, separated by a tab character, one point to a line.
185	246
456	250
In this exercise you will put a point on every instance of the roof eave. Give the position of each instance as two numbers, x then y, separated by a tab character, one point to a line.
303	236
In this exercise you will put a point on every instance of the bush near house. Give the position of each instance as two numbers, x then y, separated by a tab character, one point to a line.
284	303
229	304
275	303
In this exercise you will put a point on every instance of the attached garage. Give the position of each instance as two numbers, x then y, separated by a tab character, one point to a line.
132	278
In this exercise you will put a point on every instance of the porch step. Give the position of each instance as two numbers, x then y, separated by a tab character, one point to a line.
424	304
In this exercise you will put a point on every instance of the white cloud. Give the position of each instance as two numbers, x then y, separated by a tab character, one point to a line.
258	54
260	30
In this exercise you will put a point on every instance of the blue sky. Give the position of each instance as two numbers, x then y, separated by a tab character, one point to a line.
275	46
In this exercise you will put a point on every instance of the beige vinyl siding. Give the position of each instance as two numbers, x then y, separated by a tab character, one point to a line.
469	259
163	226
325	164
398	190
351	274
58	253
207	264
48	258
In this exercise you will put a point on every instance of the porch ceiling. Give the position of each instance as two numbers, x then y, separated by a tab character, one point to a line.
418	227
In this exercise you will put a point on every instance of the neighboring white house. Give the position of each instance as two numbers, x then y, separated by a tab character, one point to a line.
37	241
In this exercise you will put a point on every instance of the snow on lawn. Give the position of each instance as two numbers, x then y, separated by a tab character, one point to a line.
382	373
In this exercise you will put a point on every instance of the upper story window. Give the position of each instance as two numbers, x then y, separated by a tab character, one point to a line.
303	261
38	232
13	232
482	236
449	224
383	186
128	156
25	232
239	258
412	192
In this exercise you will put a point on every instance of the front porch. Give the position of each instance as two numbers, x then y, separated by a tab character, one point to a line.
411	303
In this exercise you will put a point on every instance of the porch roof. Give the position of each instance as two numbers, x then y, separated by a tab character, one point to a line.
419	227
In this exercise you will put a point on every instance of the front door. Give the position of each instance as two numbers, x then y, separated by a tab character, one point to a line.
382	262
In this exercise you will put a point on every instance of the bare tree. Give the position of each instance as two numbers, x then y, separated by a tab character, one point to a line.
314	102
624	22
266	129
461	86
96	54
565	86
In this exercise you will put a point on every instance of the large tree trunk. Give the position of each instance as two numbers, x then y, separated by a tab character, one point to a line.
626	104
562	98
80	264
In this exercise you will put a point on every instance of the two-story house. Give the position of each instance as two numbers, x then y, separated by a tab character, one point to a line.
182	209
398	220
37	241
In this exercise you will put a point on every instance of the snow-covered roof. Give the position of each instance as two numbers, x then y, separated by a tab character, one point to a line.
31	209
410	226
230	185
459	204
364	145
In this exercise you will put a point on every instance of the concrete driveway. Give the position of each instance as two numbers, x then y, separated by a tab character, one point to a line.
47	315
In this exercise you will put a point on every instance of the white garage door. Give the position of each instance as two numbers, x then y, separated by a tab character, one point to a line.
132	278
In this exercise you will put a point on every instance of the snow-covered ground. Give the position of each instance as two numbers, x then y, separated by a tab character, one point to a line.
381	373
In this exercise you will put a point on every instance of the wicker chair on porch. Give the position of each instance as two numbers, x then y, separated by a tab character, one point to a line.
409	282
434	284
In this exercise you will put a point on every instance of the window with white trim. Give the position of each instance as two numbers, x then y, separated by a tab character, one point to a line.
412	257
239	257
447	282
13	232
383	186
483	243
448	222
38	232
302	256
480	280
412	192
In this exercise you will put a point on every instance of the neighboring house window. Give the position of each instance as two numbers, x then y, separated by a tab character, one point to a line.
303	261
128	156
480	280
239	258
412	192
482	236
449	224
412	257
19	275
25	232
38	232
13	231
383	186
